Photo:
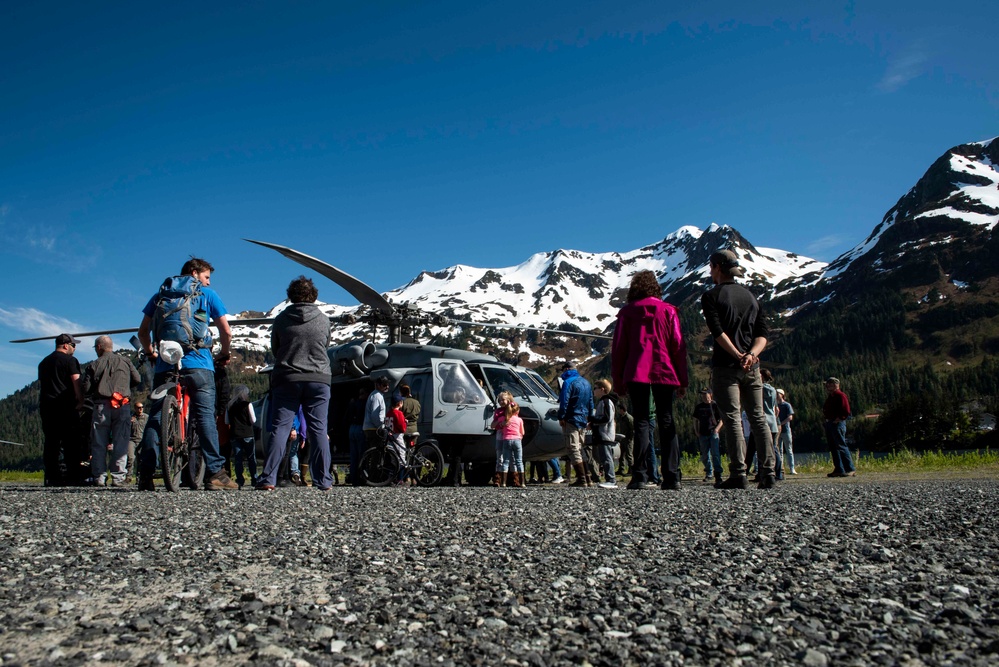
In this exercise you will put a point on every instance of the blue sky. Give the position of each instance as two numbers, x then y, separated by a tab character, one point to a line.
391	138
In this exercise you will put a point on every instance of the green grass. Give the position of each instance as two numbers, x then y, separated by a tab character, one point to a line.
21	476
902	461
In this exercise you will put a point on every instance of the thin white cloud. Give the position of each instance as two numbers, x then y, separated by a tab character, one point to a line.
901	70
821	245
47	244
34	321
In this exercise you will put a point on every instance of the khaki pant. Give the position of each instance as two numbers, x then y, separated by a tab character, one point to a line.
573	442
736	390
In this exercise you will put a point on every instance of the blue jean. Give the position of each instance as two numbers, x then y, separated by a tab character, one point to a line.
199	383
358	443
786	447
836	436
244	450
501	462
314	397
711	454
605	457
513	456
556	466
778	459
114	426
293	449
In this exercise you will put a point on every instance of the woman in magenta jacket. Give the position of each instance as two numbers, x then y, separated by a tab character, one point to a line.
649	360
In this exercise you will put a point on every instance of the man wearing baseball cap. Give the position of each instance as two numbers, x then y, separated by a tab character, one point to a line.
739	329
58	405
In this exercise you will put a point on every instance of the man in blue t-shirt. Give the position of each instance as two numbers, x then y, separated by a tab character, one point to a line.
197	374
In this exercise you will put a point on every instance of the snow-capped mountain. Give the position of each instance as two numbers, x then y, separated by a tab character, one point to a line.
956	199
943	233
571	288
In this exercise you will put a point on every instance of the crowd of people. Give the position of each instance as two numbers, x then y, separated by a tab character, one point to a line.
648	367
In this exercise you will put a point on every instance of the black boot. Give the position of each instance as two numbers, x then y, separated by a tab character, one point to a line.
734	482
767	482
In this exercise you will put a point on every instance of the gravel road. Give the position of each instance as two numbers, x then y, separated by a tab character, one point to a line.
816	572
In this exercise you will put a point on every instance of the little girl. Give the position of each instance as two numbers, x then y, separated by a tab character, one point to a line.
395	423
513	449
503	399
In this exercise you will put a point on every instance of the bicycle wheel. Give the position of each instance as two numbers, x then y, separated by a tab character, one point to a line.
379	466
427	464
171	446
194	466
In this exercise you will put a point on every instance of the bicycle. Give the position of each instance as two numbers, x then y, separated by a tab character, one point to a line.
181	462
380	465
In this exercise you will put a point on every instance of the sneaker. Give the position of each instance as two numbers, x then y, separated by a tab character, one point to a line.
120	483
220	480
793	471
94	481
835	473
296	479
560	480
852	473
607	485
707	477
263	487
670	486
734	482
284	482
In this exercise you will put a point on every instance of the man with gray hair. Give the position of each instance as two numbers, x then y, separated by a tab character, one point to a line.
109	381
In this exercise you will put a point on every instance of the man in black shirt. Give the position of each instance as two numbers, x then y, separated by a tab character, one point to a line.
58	405
740	331
708	422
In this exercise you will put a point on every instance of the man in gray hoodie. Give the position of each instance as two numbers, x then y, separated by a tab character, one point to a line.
300	337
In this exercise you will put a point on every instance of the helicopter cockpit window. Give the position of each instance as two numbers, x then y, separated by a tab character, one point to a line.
458	386
537	385
503	379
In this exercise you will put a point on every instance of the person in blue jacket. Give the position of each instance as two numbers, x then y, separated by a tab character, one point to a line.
575	405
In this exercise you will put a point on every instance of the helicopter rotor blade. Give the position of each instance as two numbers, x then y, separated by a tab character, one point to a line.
83	334
249	321
358	289
577	334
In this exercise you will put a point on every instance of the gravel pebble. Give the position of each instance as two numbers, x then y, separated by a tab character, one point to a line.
816	573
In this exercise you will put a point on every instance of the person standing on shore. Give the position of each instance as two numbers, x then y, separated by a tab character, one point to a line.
836	410
575	404
785	414
109	381
301	377
708	422
649	362
201	306
739	329
59	400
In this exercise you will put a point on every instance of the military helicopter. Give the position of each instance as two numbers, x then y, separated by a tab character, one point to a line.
456	388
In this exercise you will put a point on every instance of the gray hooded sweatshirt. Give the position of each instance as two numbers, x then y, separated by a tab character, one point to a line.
299	340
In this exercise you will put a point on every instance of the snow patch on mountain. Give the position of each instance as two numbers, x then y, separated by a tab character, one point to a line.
565	287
